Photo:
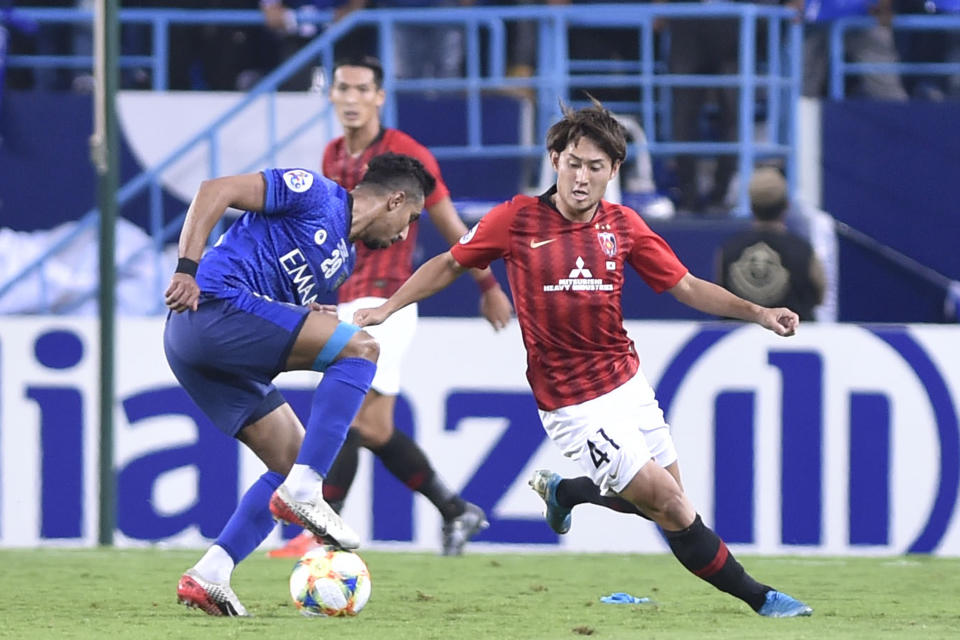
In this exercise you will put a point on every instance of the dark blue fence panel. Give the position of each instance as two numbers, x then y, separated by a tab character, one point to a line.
890	170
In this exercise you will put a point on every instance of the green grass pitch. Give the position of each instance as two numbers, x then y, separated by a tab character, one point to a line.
130	593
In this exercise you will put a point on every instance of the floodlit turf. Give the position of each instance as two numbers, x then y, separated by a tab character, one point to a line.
97	593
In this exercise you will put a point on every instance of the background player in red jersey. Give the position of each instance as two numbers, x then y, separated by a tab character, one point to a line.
565	254
357	95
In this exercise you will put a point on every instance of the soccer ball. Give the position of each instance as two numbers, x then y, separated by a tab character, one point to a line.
330	582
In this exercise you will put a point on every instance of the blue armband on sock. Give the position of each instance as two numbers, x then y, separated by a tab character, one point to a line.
341	336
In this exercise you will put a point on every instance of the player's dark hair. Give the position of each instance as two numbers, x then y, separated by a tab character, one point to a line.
367	62
393	172
594	122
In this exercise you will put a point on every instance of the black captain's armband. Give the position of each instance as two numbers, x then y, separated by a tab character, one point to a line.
187	266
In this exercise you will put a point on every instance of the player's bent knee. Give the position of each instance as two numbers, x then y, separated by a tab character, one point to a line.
654	490
673	510
361	345
346	341
668	507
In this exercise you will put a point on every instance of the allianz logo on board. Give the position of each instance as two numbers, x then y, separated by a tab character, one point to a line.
836	440
840	441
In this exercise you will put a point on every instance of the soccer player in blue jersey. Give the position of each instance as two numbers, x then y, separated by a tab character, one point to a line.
247	311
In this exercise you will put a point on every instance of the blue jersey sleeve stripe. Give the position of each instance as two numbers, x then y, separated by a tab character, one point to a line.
269	202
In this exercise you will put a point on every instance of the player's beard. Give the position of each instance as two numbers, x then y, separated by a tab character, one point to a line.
376	244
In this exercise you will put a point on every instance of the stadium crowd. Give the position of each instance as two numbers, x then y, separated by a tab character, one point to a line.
234	57
212	57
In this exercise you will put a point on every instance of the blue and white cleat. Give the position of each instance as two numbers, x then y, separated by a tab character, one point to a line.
780	605
545	482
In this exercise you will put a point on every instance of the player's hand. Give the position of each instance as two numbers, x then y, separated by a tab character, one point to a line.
183	293
367	317
496	308
323	308
781	321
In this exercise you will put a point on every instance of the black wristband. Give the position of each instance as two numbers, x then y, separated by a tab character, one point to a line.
187	266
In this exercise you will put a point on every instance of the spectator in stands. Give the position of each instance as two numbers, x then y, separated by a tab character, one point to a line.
202	57
604	44
874	44
8	24
930	46
768	264
522	49
426	50
294	24
583	43
38	39
703	46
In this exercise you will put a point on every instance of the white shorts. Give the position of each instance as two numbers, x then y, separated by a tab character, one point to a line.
394	337
612	436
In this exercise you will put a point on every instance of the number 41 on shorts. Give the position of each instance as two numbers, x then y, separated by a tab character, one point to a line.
597	454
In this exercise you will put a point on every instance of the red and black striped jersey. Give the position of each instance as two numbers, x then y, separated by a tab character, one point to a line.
567	280
379	272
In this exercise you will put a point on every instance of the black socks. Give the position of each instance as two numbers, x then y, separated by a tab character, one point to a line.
342	472
407	461
706	556
574	491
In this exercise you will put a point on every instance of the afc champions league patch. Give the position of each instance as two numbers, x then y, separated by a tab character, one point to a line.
298	180
468	236
608	242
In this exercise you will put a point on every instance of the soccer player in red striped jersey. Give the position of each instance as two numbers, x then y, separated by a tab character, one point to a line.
565	253
357	95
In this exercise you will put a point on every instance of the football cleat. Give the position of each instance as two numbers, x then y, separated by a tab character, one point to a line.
316	516
214	598
545	482
780	605
296	546
459	530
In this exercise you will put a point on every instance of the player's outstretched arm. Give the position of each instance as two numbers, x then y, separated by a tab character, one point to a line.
244	192
713	299
434	275
494	303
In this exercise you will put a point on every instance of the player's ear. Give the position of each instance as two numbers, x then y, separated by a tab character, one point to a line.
381	97
555	160
616	168
396	199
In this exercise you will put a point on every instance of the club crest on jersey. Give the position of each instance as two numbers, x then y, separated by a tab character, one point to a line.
298	180
608	242
468	236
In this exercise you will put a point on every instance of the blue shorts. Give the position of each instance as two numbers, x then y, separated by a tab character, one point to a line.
227	353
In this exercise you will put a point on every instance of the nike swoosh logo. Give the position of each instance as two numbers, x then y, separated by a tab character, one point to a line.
534	244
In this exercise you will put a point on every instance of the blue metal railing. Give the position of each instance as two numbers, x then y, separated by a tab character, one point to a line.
158	20
556	77
840	68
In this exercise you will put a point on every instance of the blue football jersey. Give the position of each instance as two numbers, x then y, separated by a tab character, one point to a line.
292	251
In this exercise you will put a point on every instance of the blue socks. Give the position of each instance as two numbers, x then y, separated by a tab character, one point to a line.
252	522
335	403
